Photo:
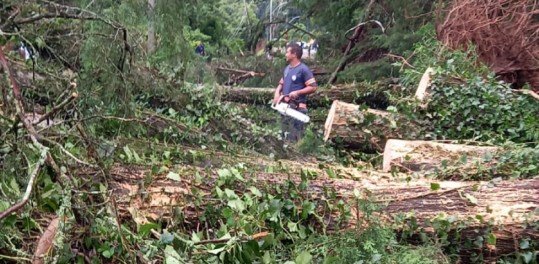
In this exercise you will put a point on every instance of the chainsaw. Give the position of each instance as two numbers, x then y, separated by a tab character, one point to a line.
287	110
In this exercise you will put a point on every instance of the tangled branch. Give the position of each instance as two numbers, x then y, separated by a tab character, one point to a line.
505	33
45	156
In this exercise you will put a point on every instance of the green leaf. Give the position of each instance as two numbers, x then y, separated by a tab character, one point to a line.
491	239
166	238
172	256
471	199
307	209
524	244
528	256
216	251
434	186
195	238
3	205
266	259
292	227
145	229
173	176
255	191
331	173
14	186
128	153
231	194
304	258
237	205
108	253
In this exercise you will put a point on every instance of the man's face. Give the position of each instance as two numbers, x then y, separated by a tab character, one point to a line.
289	55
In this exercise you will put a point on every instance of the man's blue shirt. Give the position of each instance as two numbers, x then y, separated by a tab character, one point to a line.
297	78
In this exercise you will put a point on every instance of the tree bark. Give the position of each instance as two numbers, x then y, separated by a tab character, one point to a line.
502	204
427	155
374	97
151	27
366	129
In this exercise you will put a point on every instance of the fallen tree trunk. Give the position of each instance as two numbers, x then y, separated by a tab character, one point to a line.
239	76
483	206
366	129
374	97
427	155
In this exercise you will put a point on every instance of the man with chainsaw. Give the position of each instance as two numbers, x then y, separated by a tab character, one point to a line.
297	82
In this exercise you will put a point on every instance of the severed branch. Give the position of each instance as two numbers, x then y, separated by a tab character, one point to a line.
404	60
252	73
244	75
45	241
358	30
69	154
225	240
69	12
378	23
11	17
31	181
529	92
301	29
45	154
57	108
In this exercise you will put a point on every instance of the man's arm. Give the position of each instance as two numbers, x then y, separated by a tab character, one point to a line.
278	92
310	88
310	85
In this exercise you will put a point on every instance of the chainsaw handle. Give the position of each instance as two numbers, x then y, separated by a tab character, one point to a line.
281	98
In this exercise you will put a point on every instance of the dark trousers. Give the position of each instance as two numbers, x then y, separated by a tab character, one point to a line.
291	128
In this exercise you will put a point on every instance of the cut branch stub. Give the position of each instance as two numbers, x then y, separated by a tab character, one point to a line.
424	84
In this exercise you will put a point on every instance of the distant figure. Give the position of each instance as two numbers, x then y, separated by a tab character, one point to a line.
24	52
200	49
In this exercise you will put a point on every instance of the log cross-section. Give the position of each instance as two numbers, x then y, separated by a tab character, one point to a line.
366	129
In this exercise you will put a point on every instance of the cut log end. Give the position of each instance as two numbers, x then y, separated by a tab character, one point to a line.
329	120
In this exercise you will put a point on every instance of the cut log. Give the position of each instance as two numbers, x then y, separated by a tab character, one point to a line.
374	97
366	129
428	155
482	205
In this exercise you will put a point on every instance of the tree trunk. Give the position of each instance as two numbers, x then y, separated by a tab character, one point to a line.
506	203
151	27
374	97
427	155
366	129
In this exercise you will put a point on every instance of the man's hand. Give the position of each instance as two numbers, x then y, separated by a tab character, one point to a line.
294	95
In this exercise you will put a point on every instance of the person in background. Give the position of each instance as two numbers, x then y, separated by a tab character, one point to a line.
200	49
297	82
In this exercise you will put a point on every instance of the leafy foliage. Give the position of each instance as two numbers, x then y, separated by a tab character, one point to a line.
467	101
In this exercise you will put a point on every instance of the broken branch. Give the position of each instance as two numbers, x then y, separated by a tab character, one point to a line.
29	186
